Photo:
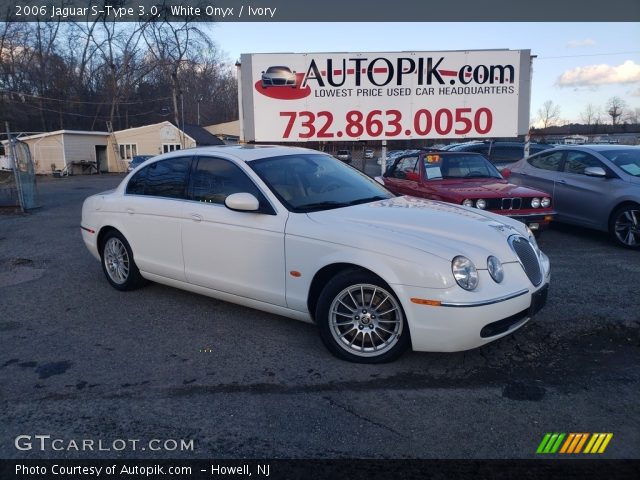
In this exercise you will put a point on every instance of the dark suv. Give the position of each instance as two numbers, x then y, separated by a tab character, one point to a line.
500	154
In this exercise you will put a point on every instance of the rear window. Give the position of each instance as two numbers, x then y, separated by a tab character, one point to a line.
166	178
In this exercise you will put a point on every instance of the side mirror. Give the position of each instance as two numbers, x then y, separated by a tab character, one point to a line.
242	202
595	172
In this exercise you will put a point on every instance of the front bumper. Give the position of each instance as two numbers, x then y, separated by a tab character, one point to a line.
460	324
535	221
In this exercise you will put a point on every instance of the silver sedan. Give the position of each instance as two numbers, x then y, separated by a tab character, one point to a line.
594	186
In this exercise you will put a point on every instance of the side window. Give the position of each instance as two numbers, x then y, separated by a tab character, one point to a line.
576	162
407	169
547	161
167	178
137	183
214	179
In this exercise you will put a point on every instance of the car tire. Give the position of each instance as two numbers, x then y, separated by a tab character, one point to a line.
624	226
360	319
118	264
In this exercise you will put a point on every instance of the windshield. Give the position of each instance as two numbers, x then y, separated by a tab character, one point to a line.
278	70
438	167
627	160
312	182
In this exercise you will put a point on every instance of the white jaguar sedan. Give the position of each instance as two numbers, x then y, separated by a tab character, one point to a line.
298	233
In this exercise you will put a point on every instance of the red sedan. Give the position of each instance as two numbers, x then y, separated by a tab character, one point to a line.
467	179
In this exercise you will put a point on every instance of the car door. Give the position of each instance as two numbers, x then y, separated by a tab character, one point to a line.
152	214
241	253
404	177
539	171
580	198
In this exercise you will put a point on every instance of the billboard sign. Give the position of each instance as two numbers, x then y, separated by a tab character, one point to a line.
384	96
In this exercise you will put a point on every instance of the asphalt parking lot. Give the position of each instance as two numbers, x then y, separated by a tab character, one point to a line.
80	360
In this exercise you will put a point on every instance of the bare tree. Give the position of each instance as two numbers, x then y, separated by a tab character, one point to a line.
175	48
590	115
633	116
77	75
549	114
615	107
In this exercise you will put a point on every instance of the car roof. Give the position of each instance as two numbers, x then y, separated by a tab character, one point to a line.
245	153
442	153
596	147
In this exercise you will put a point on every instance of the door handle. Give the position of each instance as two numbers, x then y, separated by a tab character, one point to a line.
130	211
196	218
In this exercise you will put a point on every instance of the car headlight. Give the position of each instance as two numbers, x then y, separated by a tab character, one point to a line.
546	201
465	272
468	203
495	269
481	204
535	202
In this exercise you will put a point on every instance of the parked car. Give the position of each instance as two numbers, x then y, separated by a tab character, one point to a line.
297	233
368	153
137	160
344	155
278	76
594	186
500	154
467	179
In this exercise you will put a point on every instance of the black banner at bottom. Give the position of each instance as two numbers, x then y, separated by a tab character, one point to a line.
353	469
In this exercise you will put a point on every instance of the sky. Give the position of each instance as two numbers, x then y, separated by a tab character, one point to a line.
577	63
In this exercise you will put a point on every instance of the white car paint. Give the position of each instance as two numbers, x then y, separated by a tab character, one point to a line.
247	258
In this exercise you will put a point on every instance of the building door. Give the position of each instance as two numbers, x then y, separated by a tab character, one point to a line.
101	158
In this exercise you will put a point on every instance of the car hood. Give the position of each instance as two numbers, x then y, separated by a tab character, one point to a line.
485	189
436	228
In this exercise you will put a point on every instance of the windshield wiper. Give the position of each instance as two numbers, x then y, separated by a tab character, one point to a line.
367	200
321	205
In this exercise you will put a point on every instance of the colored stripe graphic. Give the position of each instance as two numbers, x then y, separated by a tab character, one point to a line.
551	443
598	443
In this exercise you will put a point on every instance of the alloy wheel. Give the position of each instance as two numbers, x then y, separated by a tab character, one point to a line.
627	227
116	260
366	320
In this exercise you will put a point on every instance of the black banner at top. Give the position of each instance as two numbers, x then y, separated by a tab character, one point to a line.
320	11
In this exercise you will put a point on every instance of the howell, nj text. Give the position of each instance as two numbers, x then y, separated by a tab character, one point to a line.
240	470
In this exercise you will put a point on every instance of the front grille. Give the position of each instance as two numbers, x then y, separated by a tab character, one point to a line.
528	258
509	203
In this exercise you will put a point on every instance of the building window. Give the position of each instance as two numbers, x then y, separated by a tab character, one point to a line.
170	147
128	150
